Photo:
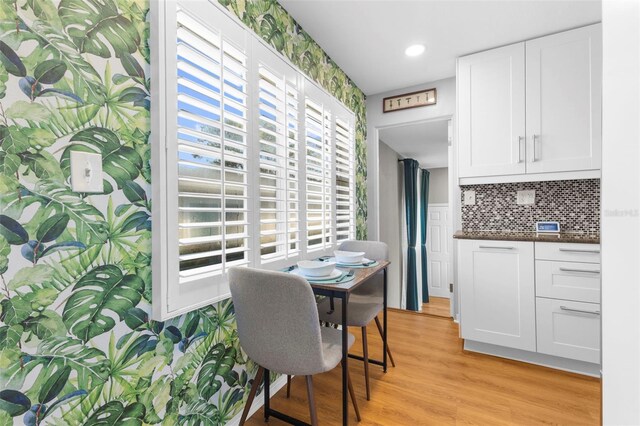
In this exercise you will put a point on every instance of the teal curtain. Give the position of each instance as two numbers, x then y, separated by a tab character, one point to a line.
411	204
424	205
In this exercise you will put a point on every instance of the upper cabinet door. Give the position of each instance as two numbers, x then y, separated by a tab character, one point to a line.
564	92
491	93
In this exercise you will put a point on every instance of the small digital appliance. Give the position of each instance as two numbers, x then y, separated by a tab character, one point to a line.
548	227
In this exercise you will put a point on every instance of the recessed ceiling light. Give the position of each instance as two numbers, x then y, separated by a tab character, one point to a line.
414	50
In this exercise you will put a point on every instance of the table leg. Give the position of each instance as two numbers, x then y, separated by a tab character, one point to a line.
345	358
384	321
267	379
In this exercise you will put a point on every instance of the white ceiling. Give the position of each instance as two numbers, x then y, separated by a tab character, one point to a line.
424	142
367	38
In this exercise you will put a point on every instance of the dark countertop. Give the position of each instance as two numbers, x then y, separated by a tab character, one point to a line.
563	237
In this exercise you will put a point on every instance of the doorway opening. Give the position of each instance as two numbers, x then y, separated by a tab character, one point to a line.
429	143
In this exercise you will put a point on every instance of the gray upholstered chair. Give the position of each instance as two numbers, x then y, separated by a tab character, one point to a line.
279	329
364	303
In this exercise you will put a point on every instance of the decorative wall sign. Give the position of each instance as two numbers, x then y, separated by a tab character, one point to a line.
409	100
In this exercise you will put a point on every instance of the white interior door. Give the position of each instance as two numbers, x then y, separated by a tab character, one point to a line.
438	249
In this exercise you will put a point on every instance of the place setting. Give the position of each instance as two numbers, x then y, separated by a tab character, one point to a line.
349	259
320	272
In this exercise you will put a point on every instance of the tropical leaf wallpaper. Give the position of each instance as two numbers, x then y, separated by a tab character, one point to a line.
76	342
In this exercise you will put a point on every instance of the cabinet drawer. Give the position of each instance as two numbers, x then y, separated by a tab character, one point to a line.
568	280
586	253
568	329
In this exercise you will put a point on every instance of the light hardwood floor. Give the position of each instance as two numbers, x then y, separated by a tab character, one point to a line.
437	383
438	306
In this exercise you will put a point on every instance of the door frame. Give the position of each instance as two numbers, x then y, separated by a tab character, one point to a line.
373	169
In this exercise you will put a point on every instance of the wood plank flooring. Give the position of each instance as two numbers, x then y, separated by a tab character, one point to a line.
437	383
438	306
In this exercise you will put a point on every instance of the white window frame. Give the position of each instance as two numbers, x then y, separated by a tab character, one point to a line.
171	299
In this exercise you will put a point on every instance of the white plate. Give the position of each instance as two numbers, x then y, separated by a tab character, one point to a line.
332	276
365	260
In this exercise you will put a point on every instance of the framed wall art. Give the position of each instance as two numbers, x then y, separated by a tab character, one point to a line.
409	100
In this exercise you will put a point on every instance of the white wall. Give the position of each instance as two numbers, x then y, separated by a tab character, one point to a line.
439	185
445	107
620	217
391	229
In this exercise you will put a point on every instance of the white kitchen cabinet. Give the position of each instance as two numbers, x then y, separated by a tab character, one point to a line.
568	329
545	126
497	293
531	301
491	110
563	107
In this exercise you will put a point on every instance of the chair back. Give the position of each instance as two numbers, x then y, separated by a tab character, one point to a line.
277	320
374	250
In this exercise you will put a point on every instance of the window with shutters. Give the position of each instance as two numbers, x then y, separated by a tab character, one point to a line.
201	210
252	164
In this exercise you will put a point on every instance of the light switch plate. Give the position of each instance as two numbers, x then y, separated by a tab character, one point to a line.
86	172
469	198
526	197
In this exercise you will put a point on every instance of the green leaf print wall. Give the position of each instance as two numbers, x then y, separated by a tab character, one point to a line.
77	346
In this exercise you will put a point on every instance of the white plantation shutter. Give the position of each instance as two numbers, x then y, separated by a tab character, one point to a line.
293	171
345	180
212	153
318	158
277	131
278	138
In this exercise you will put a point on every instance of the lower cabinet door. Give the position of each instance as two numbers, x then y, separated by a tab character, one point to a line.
497	294
569	329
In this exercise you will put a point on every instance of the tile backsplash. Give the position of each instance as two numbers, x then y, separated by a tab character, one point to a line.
573	203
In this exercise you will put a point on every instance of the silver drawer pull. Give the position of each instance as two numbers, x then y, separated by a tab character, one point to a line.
497	247
579	270
564	308
579	250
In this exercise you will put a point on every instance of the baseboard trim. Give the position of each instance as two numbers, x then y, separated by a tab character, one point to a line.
558	363
258	402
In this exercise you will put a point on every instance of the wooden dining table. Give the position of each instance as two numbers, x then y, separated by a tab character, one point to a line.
342	290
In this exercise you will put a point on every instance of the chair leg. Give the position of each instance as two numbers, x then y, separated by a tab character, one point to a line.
252	394
288	386
365	356
353	398
312	402
388	348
